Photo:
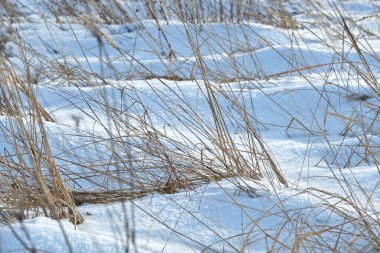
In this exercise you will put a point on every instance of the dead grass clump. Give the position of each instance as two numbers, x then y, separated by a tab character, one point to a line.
29	174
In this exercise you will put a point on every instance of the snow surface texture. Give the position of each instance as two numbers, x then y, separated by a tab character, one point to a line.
217	217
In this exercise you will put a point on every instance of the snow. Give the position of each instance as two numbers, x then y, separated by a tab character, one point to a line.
205	216
219	216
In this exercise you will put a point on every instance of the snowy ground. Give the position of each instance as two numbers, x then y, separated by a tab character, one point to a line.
215	217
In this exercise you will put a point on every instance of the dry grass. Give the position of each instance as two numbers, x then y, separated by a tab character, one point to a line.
165	161
29	175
